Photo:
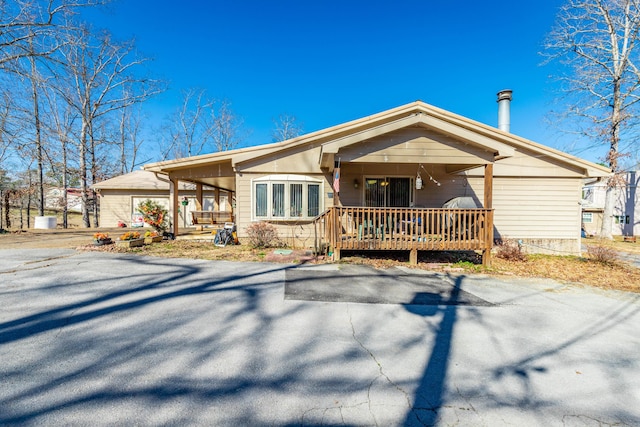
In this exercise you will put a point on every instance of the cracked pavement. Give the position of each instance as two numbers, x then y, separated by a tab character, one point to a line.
98	338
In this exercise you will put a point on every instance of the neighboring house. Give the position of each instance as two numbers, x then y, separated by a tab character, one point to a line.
380	183
120	196
626	211
54	199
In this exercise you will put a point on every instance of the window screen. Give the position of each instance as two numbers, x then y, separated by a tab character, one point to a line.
278	199
313	200
261	199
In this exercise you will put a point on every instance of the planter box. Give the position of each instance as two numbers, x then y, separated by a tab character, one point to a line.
103	242
154	239
133	243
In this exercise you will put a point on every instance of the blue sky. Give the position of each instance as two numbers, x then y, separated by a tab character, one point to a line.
328	62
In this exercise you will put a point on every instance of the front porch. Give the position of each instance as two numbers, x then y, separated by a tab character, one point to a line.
409	229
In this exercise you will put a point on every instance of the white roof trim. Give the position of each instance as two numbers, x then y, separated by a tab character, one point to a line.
287	177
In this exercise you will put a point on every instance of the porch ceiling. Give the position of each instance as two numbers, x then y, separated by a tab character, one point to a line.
218	174
228	184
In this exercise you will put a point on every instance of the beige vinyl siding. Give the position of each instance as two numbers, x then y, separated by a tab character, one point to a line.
525	163
407	145
115	205
301	161
119	205
243	201
537	208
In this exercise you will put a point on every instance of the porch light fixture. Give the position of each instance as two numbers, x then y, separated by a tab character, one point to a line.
355	183
418	182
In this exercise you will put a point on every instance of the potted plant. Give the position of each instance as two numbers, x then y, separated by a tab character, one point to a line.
152	237
130	239
155	214
102	239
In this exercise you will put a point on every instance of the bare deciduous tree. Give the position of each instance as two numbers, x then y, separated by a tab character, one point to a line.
60	127
23	20
596	41
188	132
6	128
200	125
227	128
286	127
103	79
129	143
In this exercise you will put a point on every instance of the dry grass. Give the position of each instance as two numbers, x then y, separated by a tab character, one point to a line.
567	269
618	244
614	275
209	251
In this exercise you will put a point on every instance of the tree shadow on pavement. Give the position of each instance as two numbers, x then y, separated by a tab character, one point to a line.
429	396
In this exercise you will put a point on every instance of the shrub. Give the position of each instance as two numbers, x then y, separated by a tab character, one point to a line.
602	253
263	235
510	250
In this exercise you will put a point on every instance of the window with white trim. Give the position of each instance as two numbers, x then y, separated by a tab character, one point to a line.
587	217
286	197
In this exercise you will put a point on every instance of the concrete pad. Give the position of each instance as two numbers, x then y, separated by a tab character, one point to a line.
104	339
367	285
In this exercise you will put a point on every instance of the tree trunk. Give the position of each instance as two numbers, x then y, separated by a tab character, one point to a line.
36	117
83	175
65	186
7	209
606	231
94	168
123	154
22	212
612	157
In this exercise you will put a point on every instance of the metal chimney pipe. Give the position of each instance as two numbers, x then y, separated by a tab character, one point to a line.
504	110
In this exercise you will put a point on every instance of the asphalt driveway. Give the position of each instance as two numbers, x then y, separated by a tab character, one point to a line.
97	338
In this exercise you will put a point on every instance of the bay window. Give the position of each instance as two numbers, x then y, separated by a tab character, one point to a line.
286	197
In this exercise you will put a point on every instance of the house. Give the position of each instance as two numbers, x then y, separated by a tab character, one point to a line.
626	210
380	183
120	196
54	199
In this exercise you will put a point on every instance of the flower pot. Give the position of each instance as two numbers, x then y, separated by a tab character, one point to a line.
101	242
132	243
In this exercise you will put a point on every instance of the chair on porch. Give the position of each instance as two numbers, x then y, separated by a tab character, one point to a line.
368	228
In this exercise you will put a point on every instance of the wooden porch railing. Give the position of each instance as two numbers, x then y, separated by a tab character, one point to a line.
412	229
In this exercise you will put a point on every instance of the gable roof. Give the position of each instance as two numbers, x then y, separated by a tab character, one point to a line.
498	143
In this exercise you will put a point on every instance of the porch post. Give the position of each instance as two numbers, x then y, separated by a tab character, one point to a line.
413	257
216	192
173	202
488	204
198	196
